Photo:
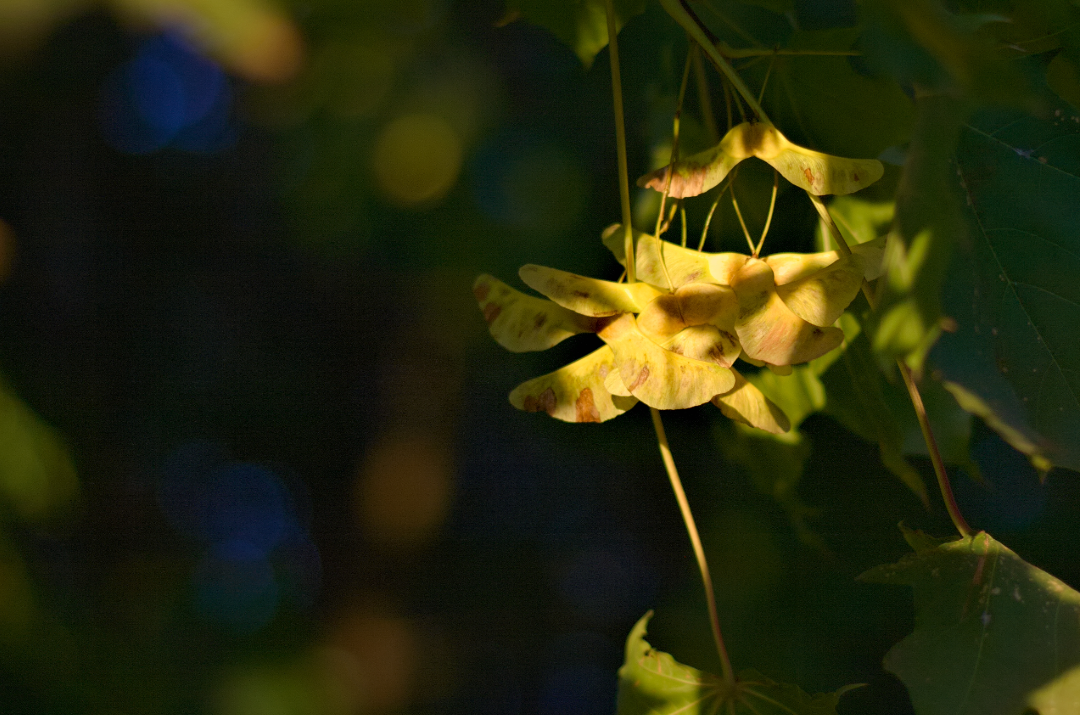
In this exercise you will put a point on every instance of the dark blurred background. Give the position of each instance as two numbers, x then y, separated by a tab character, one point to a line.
256	455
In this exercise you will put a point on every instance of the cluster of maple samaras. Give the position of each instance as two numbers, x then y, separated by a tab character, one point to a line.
672	337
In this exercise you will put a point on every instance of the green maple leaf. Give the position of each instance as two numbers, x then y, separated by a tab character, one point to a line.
993	634
651	682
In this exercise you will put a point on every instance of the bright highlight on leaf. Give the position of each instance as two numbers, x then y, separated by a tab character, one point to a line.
651	682
813	171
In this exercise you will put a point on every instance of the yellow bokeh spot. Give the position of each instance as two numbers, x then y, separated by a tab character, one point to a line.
417	159
404	489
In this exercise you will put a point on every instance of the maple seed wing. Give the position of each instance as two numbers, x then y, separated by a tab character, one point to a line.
659	377
745	403
873	253
823	174
522	323
576	392
693	175
822	297
588	296
683	265
768	330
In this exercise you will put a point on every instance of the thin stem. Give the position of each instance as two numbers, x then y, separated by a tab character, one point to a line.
746	231
671	164
701	80
768	219
682	14
935	456
727	102
695	541
765	82
620	140
682	217
708	218
739	52
944	486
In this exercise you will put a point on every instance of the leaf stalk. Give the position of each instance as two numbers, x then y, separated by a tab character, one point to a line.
620	140
695	541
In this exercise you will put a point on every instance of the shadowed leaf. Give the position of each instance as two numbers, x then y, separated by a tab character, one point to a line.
659	377
993	634
574	393
1014	289
522	323
581	25
651	682
811	170
588	296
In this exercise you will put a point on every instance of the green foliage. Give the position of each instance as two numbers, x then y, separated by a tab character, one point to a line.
651	682
1013	290
993	634
579	24
37	477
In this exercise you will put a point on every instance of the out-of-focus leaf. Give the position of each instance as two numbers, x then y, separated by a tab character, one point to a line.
925	229
1014	290
659	377
252	37
37	476
837	108
588	296
993	634
1063	77
651	682
522	323
810	170
574	393
581	25
966	60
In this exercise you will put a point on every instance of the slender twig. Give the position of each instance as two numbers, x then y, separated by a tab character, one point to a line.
708	218
768	219
701	80
682	14
620	140
745	230
671	164
765	82
695	542
682	217
944	486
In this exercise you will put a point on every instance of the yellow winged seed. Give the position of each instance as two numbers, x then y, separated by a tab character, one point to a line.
822	297
522	323
684	265
768	330
576	392
693	304
588	296
706	342
659	377
745	403
811	170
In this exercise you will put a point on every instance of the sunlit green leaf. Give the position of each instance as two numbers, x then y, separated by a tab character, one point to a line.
924	232
522	323
993	634
651	682
661	378
574	393
1014	289
581	25
811	170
